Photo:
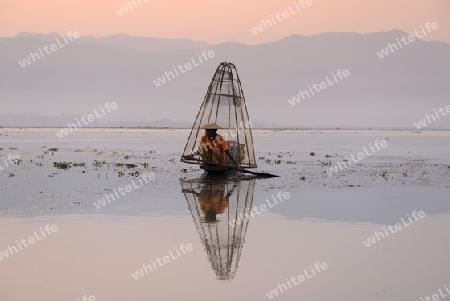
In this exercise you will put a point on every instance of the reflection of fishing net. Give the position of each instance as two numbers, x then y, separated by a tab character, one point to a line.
224	104
223	243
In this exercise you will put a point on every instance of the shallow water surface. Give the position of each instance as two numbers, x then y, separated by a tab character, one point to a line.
184	235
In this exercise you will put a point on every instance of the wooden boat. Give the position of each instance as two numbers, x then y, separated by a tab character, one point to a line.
224	106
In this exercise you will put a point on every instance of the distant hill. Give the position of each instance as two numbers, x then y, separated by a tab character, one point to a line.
394	91
142	44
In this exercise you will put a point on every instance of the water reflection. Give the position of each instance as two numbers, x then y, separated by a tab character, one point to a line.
215	204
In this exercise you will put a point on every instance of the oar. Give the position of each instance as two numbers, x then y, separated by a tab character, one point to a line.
259	174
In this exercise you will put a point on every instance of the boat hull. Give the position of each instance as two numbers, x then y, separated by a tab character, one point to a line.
216	169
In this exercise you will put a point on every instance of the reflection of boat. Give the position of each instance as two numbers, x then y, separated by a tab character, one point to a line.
215	204
223	106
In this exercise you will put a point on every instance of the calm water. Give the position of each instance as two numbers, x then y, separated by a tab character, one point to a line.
102	251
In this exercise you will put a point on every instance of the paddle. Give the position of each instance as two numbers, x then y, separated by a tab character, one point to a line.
259	174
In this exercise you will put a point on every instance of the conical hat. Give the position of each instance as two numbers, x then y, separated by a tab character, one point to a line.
211	126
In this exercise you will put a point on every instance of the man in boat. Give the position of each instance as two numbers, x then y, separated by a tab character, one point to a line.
213	147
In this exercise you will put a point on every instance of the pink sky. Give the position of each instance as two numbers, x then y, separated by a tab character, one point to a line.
222	21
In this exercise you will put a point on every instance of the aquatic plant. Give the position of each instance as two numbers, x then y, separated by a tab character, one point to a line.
62	165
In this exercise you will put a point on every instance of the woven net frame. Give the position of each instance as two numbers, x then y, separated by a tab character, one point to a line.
225	105
222	242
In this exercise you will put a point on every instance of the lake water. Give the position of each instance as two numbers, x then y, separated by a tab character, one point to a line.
173	237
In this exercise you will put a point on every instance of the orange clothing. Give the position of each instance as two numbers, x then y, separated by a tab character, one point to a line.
212	198
219	142
219	207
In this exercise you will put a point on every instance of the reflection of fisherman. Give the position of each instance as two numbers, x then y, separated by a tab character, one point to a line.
213	200
213	147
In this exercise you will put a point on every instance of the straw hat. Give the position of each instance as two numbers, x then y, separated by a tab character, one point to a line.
211	126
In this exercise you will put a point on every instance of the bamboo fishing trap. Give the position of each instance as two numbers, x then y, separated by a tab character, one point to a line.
224	105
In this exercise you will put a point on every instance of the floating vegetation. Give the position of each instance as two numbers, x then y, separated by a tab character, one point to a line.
145	165
280	156
53	150
291	162
268	161
326	163
384	174
302	178
277	161
120	174
99	163
312	154
10	175
82	164
127	165
263	158
62	165
327	156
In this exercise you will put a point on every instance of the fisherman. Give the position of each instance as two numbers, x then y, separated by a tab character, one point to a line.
213	147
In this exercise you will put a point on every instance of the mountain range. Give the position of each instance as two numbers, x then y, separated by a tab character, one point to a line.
394	91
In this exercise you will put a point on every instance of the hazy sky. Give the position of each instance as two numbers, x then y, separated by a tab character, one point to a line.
221	21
